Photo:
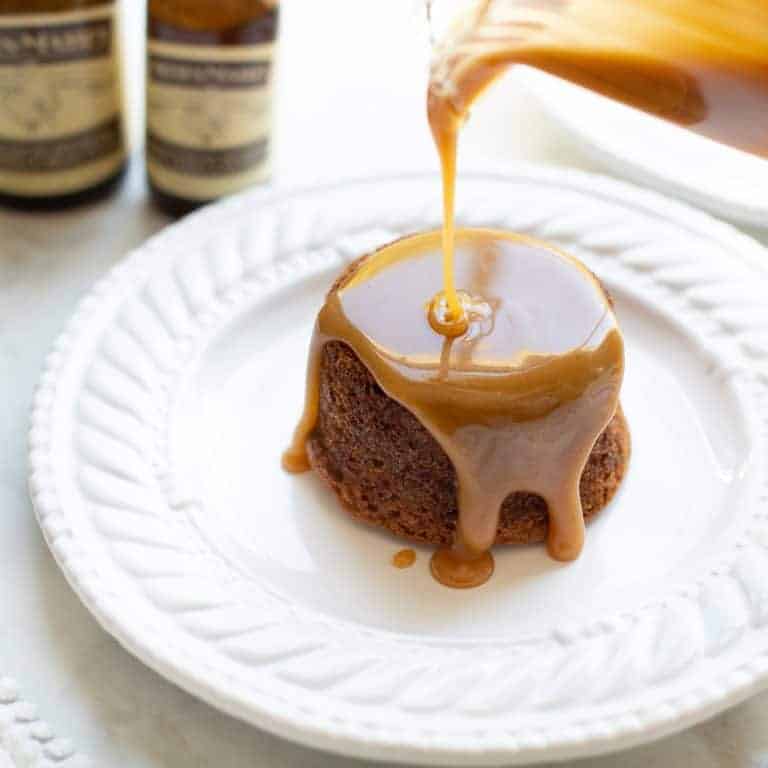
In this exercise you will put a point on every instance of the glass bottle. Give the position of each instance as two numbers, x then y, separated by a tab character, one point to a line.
61	101
209	77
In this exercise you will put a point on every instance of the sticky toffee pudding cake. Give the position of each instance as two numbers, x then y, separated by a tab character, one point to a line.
487	413
507	433
388	470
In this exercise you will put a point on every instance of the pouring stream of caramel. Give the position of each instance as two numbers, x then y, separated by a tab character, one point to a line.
699	63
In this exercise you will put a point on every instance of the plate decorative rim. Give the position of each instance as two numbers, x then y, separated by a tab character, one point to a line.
226	274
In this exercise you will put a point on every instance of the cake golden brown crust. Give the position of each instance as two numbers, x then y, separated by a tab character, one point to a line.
388	470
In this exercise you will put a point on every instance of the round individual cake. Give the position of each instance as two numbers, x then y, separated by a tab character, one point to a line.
388	470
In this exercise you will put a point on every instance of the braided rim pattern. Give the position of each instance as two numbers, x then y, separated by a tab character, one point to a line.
159	308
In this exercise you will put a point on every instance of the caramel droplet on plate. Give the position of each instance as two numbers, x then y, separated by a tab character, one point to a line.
453	569
405	558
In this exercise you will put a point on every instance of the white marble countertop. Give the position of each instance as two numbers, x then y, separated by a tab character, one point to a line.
351	104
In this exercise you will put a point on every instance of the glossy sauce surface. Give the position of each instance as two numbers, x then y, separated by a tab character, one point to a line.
516	402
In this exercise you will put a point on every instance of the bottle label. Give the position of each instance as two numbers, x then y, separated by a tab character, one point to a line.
60	126
208	117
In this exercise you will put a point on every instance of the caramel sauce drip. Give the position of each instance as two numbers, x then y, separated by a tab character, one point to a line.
455	568
516	402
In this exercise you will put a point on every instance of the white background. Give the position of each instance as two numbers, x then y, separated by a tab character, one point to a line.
350	103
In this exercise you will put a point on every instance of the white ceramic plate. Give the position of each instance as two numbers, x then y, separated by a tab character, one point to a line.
155	445
656	153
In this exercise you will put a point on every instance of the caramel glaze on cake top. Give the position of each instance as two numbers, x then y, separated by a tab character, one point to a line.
516	402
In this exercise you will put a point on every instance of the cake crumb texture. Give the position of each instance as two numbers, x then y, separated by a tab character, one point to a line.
388	470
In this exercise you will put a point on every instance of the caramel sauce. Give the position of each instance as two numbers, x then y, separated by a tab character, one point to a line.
295	459
516	402
455	568
405	558
516	368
